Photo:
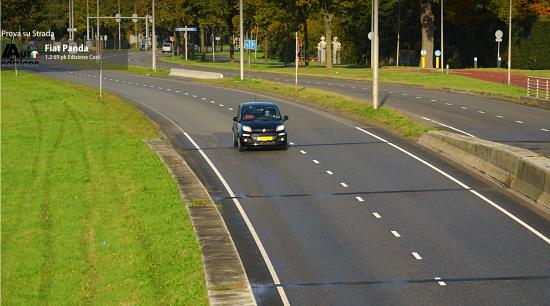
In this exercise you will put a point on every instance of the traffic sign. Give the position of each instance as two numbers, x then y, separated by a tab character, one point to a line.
437	53
498	34
218	38
423	52
134	18
185	29
71	29
117	17
250	44
370	35
172	38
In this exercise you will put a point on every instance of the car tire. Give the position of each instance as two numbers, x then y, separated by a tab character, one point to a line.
240	146
284	147
235	144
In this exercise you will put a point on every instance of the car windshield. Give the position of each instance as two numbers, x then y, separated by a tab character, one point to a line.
263	113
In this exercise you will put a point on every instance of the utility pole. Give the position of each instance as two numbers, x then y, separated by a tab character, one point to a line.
398	29
442	56
375	58
296	60
154	39
98	52
241	38
87	23
510	44
119	21
213	46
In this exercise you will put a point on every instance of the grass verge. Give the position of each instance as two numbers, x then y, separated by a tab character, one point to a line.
148	71
354	108
430	80
90	215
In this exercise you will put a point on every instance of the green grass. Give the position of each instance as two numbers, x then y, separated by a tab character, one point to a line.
148	71
408	76
357	109
90	215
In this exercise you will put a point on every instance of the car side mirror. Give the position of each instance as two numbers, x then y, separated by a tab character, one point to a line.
285	118
235	119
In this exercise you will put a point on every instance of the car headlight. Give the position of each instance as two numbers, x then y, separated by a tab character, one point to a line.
280	128
246	128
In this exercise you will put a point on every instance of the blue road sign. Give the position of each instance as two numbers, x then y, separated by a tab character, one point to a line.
185	29
250	44
437	53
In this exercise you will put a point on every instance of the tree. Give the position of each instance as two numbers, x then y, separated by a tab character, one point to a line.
427	28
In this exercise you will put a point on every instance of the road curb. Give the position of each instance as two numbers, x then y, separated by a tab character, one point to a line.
523	171
226	280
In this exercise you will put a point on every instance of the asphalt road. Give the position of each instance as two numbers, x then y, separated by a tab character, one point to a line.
347	216
486	118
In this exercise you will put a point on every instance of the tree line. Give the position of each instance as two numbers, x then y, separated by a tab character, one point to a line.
469	24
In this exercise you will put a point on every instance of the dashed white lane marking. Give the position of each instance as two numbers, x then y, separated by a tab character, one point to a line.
229	108
481	112
329	84
203	98
186	93
315	161
544	130
168	89
159	87
433	100
221	105
144	85
116	80
365	88
449	103
404	94
461	184
302	151
194	96
441	283
246	220
520	122
448	126
416	255
377	215
499	116
390	92
123	81
177	91
341	85
419	97
344	185
152	86
329	172
291	143
212	101
353	87
396	234
463	107
360	199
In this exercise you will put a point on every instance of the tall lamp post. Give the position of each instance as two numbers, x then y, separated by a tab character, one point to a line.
154	39
98	51
375	57
442	56
510	43
241	56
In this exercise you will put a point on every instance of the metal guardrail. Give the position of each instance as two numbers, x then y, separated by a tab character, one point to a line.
538	87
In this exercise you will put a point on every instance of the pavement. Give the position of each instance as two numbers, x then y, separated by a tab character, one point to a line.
491	119
351	215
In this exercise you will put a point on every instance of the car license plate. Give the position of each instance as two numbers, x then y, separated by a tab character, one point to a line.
265	138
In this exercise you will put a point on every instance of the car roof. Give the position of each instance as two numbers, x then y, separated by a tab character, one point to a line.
258	104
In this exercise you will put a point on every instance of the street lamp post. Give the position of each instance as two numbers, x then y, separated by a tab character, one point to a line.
398	30
375	58
241	56
119	21
442	57
154	39
510	43
98	52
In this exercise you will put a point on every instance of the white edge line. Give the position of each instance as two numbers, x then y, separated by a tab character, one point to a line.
396	234
479	195
377	215
416	255
448	126
259	243
360	199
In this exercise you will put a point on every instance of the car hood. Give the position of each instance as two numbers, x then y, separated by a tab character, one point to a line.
259	124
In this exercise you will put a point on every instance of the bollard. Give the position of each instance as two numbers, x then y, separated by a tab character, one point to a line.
499	62
423	61
437	62
447	68
475	62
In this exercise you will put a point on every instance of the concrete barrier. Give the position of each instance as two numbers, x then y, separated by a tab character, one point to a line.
195	74
522	170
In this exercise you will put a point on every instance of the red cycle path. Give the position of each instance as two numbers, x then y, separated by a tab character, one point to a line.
493	76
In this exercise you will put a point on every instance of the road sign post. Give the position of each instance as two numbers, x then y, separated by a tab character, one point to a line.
437	54
498	39
423	59
185	30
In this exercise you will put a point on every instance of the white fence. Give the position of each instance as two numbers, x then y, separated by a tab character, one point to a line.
538	87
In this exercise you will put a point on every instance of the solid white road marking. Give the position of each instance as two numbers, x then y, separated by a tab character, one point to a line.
246	220
416	255
360	199
448	126
376	215
441	283
329	172
396	234
520	122
302	151
315	161
461	184
344	185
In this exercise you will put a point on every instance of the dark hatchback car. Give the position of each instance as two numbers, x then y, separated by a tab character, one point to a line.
259	124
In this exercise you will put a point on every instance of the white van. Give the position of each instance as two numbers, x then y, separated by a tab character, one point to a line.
166	47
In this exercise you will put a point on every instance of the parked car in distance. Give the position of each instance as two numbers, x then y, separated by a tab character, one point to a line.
259	124
166	47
